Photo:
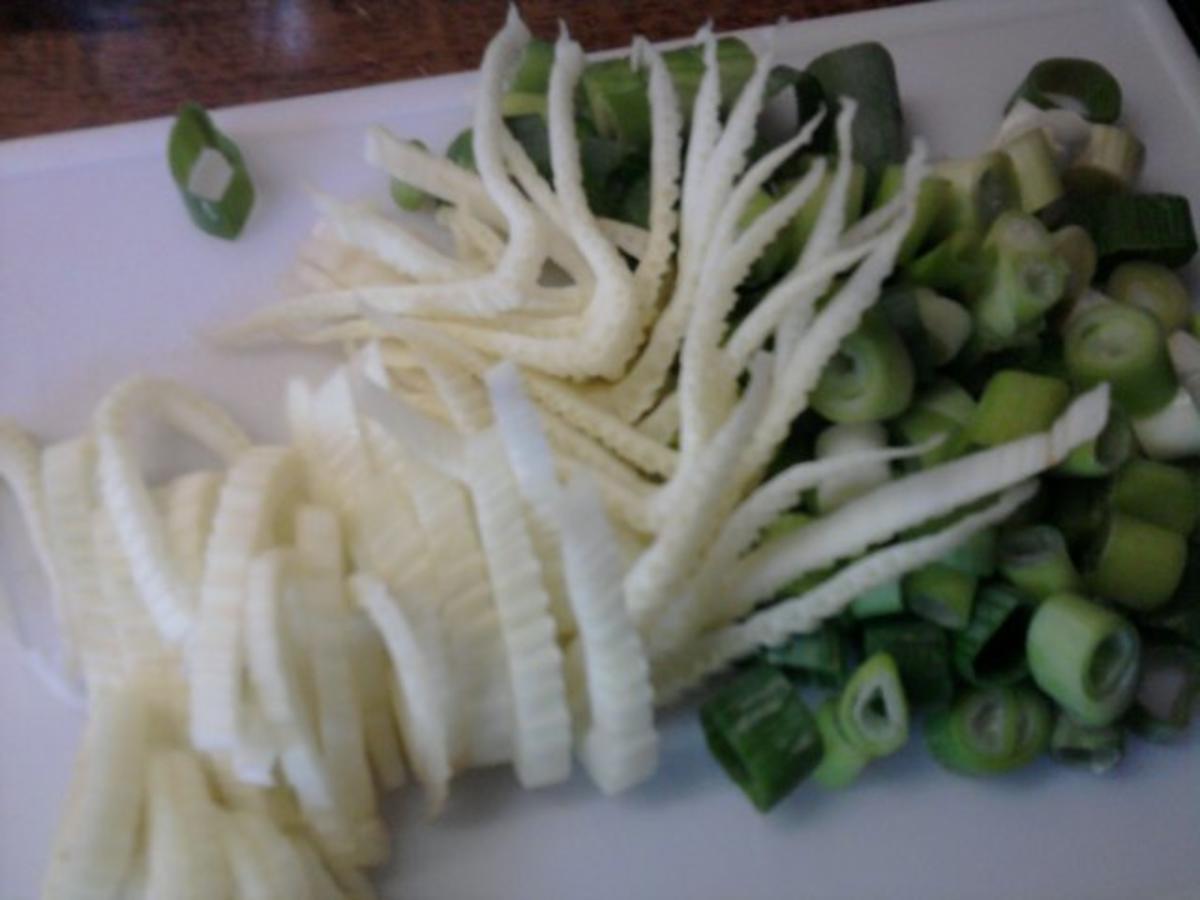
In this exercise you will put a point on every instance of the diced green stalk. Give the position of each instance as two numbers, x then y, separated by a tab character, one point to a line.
979	734
990	651
820	657
954	264
841	440
220	209
1085	84
1018	232
1126	347
1038	181
921	651
1020	288
941	594
1180	618
1015	404
533	74
1168	686
1154	288
932	195
976	555
1035	560
842	760
1136	563
872	709
1033	727
1152	227
762	734
869	379
1172	433
980	190
885	600
461	151
618	101
1103	454
1097	748
934	328
1110	162
1157	492
1076	247
1084	656
924	421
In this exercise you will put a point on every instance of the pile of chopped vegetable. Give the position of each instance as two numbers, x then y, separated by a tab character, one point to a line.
676	396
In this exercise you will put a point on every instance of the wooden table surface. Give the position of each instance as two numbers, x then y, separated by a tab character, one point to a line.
76	63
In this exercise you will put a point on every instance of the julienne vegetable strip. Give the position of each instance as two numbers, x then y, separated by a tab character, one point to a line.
579	471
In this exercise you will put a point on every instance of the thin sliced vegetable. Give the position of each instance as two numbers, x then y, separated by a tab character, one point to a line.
1015	404
1124	346
1098	748
872	711
1035	560
1158	493
1136	563
942	594
841	760
990	651
210	173
1154	288
1083	83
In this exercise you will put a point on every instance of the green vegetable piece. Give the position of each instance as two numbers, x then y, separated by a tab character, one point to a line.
801	227
954	265
1153	227
1157	492
1136	563
884	600
1095	747
527	93
872	709
932	196
821	657
617	101
934	328
1110	162
1035	560
1085	84
1035	169
1154	288
1168	686
461	151
921	652
940	593
1103	454
943	409
1126	347
762	734
1077	249
1084	656
1078	509
981	189
870	378
987	731
196	152
842	760
1015	404
976	555
990	651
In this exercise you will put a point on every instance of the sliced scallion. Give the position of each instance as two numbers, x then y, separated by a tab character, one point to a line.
820	657
210	173
921	652
1111	161
1153	227
1015	404
841	440
617	101
872	709
1064	82
407	196
884	600
976	555
1076	247
945	410
1103	454
1136	563
1097	748
941	594
1124	346
1157	492
1168	686
931	196
1174	431
461	150
870	378
979	734
1154	288
1084	656
1038	181
842	760
990	651
1035	560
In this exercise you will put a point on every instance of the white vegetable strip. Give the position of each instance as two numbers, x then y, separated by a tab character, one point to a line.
369	657
851	440
185	854
911	500
436	445
257	492
264	863
190	503
679	673
168	596
620	745
543	727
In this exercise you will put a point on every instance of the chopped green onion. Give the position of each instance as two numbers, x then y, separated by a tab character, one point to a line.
1081	83
1154	288
1157	492
990	651
841	440
944	409
1015	404
210	173
1124	346
934	328
842	760
1076	247
1136	563
1095	747
527	93
820	657
976	555
1180	618
1110	162
1153	227
1034	725
1103	454
884	600
933	193
617	100
1038	182
1084	656
922	655
980	190
461	151
1167	689
1174	431
871	377
954	264
1035	559
735	65
407	196
866	74
980	734
872	710
762	734
940	593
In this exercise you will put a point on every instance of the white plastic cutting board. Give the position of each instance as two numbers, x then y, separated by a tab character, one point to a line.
102	275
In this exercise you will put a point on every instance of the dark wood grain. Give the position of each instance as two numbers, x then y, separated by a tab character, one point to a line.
76	63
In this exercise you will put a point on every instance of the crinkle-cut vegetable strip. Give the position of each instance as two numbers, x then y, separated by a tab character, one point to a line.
817	346
189	504
264	864
421	720
665	152
97	839
620	745
324	262
543	726
323	883
532	463
474	240
464	397
688	667
318	541
168	596
830	222
255	500
700	500
256	752
662	424
392	243
185	854
289	319
908	501
369	658
702	138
